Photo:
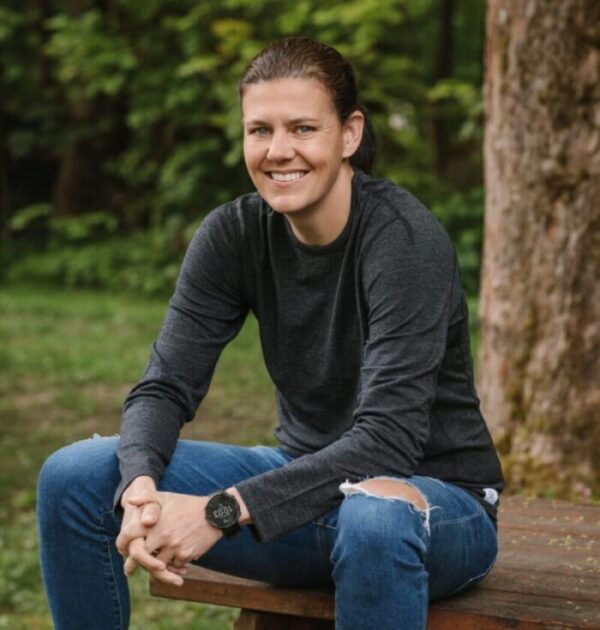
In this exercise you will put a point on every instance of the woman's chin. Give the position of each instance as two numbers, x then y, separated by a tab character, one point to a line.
284	206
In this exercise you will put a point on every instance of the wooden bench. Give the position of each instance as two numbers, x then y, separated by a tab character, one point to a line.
547	576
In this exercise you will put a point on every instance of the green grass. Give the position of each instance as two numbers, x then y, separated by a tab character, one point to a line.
67	359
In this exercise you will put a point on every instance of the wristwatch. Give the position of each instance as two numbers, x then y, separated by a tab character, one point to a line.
223	512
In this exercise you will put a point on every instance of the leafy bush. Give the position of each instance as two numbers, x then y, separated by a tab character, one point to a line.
124	117
462	216
136	109
146	262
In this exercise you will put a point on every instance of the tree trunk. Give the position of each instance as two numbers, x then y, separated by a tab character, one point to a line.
539	361
72	183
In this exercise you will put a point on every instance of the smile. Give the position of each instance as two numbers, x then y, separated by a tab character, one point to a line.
287	177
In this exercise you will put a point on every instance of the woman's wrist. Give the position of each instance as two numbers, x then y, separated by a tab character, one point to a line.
140	485
245	517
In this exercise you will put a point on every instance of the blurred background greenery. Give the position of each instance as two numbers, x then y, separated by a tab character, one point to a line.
121	126
119	131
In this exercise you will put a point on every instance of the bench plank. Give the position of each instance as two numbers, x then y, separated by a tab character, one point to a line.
547	576
250	620
203	585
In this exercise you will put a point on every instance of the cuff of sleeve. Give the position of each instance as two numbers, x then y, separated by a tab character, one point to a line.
259	528
267	523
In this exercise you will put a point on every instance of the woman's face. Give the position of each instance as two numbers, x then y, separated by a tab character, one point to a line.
295	146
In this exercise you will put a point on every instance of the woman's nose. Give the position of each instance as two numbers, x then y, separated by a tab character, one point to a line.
280	147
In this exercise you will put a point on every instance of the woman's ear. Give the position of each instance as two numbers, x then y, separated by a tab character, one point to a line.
352	132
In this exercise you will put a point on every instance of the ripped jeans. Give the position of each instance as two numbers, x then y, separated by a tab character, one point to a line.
386	557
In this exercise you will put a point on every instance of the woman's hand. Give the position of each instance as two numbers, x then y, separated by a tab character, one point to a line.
182	534
138	519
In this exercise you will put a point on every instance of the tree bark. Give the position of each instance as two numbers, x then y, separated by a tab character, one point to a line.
539	364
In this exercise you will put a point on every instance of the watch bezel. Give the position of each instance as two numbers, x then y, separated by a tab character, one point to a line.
228	523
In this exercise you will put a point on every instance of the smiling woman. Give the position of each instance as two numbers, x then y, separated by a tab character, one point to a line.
385	480
296	151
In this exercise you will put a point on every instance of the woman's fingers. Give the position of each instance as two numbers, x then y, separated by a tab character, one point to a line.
149	506
156	565
143	498
130	566
140	512
130	531
139	555
170	574
178	565
168	577
150	513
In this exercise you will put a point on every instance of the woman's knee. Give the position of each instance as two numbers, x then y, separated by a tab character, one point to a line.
377	520
89	464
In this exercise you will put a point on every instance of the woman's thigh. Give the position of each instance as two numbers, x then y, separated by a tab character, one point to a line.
460	540
463	541
89	470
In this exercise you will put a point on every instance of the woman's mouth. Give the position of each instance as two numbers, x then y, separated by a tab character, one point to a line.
291	176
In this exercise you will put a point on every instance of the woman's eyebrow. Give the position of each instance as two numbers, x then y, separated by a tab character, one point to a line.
293	121
304	119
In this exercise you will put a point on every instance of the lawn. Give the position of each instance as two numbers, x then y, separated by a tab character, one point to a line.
67	359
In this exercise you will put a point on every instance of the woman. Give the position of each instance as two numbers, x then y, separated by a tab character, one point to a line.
386	479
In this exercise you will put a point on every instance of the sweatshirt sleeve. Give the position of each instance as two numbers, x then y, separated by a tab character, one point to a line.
408	275
205	312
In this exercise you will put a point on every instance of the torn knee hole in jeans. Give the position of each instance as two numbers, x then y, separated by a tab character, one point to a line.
390	489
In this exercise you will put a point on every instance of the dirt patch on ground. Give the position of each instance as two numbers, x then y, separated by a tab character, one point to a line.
79	410
82	410
248	424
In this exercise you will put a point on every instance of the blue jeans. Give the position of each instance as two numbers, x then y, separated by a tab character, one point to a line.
386	557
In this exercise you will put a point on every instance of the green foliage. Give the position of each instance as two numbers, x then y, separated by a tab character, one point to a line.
462	216
464	101
26	217
130	111
144	263
69	229
90	61
77	229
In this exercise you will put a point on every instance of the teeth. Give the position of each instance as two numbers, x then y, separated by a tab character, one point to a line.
287	177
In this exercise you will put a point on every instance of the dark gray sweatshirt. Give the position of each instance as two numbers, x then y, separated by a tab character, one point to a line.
366	340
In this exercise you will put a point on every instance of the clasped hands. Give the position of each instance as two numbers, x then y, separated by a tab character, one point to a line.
163	531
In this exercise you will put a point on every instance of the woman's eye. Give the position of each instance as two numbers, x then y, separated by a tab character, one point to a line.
259	131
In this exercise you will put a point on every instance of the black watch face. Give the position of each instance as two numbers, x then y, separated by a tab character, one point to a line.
222	511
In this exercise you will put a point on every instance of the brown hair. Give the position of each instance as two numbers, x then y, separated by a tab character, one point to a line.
304	58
